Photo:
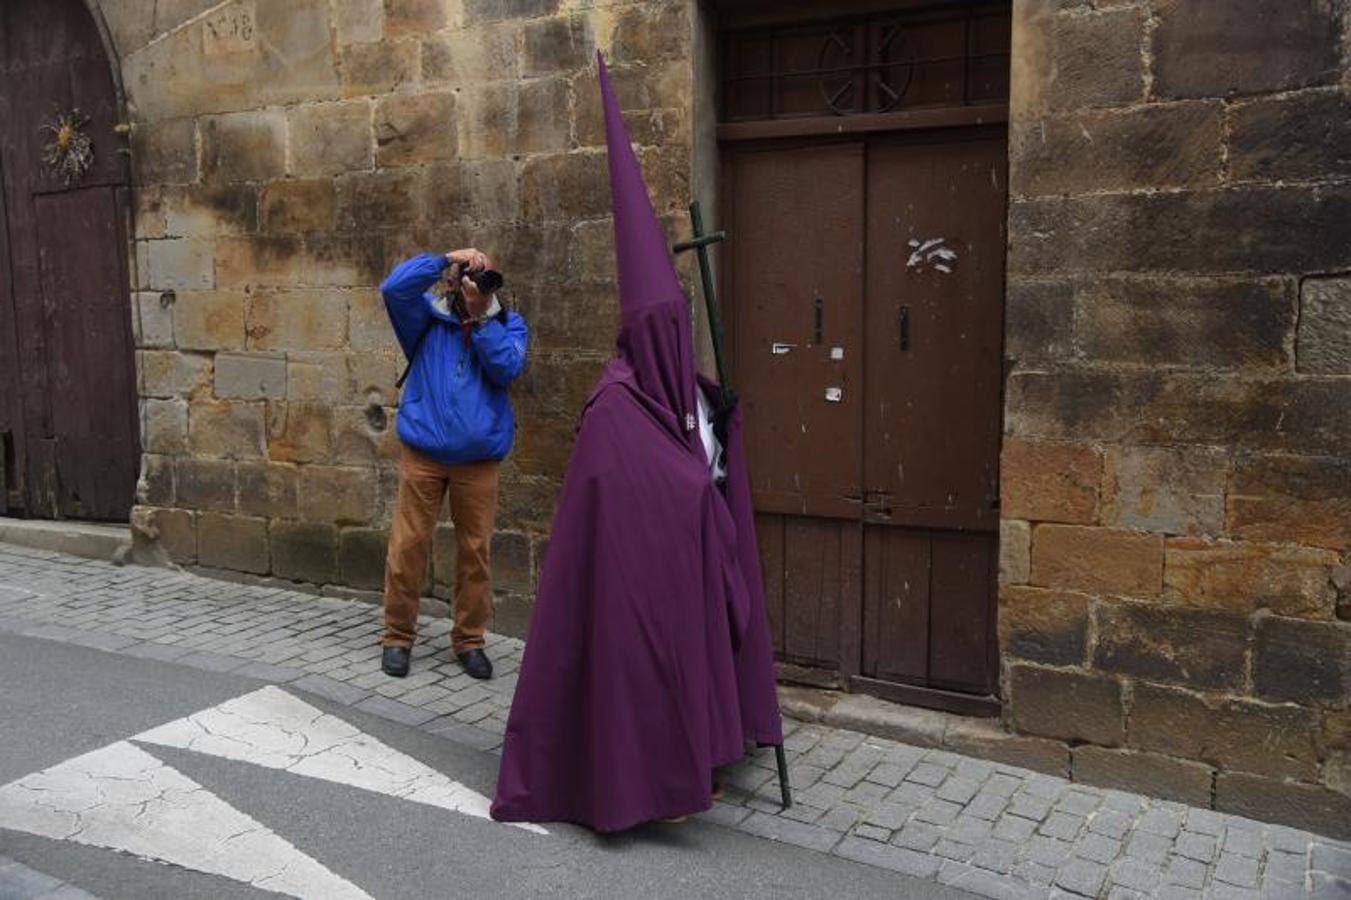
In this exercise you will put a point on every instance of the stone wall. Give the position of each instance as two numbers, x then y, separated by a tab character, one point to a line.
1176	480
286	155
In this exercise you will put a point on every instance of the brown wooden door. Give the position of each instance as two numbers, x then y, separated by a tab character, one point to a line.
69	422
873	425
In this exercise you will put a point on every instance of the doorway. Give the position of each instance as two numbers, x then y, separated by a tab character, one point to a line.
863	187
68	417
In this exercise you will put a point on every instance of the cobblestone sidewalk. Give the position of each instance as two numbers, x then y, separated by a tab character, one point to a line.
989	828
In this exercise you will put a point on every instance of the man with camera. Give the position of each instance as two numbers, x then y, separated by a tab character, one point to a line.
456	425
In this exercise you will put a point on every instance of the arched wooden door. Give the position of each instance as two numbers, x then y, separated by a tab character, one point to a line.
68	417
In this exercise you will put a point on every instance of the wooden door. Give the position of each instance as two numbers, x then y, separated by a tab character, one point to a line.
68	423
932	416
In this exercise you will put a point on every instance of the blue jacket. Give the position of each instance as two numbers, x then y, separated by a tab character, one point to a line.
455	407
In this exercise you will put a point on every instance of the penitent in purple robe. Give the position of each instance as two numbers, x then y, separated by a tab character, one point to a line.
648	661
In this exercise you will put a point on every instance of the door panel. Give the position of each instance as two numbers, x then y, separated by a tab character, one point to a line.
66	358
798	213
935	329
92	377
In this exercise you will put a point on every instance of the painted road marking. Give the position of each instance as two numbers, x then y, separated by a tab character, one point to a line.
274	729
122	798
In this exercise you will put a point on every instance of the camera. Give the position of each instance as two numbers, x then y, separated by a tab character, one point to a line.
488	282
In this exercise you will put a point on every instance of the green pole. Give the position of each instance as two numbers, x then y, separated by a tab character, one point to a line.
699	243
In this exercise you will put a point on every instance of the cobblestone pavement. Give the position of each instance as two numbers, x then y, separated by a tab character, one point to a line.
988	828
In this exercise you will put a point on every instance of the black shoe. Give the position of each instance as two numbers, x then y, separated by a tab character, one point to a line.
476	663
394	661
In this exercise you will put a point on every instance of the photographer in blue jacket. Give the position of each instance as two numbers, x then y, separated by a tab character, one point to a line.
456	425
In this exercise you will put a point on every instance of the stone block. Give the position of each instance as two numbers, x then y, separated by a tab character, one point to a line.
1305	500
1235	735
1291	138
244	146
339	494
483	52
299	432
165	426
364	435
1244	577
361	557
512	566
209	320
539	126
224	428
544	444
1307	662
987	740
1243	47
304	551
1323	343
415	128
1166	490
250	376
155	486
378	68
1276	414
180	264
1097	560
205	484
301	319
164	151
267	489
316	377
413	17
358	21
527	503
154	320
298	207
368	201
1299	805
238	543
372	377
1043	626
175	530
557	44
511	614
1197	322
1039	322
1065	704
442	559
1147	773
167	374
329	139
305	70
208	210
1117	150
476	11
487	125
565	187
368	325
645	35
1015	551
1194	647
1246	229
1049	482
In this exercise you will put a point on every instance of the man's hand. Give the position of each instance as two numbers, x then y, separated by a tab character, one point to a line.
470	259
475	302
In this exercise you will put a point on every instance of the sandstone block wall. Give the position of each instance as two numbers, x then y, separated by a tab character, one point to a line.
1176	479
286	155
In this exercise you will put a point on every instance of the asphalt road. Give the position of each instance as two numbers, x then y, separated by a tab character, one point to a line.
69	725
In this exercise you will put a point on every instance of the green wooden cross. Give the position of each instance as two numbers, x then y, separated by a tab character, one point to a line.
699	243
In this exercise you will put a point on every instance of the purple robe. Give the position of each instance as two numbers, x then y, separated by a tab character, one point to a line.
648	659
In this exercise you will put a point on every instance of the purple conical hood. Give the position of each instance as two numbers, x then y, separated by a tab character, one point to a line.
654	334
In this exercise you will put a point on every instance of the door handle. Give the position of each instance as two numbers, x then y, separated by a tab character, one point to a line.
820	319
905	328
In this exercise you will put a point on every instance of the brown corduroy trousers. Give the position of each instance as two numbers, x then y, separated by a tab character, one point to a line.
423	483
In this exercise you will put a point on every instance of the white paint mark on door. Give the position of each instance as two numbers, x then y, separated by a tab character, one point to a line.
931	252
271	728
122	798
